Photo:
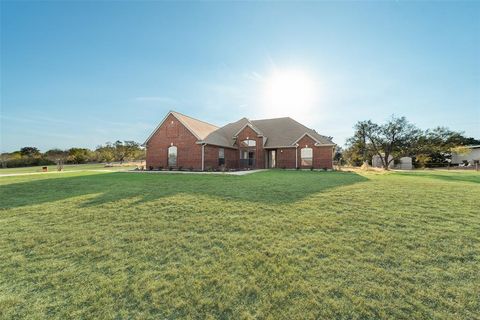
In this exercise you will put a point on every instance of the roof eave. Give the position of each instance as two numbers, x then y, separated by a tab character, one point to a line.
158	127
259	133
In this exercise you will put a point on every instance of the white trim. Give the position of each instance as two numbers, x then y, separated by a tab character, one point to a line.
296	155
307	134
260	134
279	147
171	112
203	156
156	129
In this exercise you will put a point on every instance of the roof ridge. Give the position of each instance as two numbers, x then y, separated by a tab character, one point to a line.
271	119
213	125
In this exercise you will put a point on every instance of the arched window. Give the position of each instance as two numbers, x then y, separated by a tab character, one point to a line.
172	156
306	155
248	143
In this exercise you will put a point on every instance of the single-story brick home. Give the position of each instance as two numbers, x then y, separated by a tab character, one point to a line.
180	141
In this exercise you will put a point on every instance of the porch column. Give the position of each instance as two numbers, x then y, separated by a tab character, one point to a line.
296	156
203	156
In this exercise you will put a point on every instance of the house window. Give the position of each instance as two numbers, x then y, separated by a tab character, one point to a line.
221	156
248	143
247	158
306	155
172	156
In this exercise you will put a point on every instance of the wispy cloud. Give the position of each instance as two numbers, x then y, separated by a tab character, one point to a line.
38	120
255	76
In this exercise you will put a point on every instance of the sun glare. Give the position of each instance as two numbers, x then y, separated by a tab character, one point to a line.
288	92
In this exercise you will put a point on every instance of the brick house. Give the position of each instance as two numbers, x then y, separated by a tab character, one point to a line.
180	141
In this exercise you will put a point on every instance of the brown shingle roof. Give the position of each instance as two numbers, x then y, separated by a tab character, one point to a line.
224	136
283	132
279	132
198	127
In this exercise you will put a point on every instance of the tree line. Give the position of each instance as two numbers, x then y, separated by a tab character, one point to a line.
118	151
399	138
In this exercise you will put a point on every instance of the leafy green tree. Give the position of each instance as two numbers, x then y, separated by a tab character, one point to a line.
30	152
435	146
126	150
396	138
358	151
56	155
106	153
79	155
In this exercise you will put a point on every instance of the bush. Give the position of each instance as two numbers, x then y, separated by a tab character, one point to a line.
28	162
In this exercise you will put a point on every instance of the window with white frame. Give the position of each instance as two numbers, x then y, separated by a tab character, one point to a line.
172	156
221	156
306	154
248	143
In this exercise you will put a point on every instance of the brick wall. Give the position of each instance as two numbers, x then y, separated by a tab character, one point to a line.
211	157
189	154
172	131
322	156
286	158
249	134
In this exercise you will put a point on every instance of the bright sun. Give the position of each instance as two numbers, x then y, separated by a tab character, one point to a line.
289	92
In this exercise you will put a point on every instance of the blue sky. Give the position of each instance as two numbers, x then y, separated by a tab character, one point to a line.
83	73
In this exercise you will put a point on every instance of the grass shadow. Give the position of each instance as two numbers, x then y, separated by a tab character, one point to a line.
274	186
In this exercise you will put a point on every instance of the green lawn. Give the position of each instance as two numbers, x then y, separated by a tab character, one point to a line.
275	244
67	167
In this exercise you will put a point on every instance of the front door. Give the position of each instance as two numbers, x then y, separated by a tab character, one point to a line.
272	158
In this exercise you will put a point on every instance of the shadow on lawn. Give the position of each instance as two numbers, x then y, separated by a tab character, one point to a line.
275	187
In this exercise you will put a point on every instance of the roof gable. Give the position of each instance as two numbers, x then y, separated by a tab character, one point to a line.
249	124
285	132
277	132
224	136
200	129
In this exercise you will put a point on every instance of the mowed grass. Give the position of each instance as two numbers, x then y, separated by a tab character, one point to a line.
271	245
67	167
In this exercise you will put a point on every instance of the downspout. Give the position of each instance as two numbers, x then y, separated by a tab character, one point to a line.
203	156
296	156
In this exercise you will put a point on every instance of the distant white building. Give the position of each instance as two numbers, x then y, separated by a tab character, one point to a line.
471	157
404	163
378	163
